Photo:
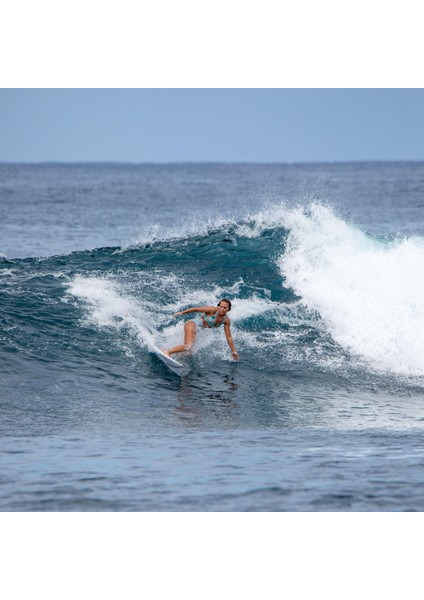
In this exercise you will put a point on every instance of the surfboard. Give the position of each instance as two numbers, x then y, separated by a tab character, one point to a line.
172	364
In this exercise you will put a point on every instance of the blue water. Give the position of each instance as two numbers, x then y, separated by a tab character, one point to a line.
323	263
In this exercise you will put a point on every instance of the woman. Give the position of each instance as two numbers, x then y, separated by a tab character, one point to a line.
212	317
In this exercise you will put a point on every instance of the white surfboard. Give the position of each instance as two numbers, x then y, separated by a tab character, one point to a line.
172	364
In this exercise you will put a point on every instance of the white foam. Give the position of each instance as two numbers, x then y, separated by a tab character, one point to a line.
7	272
369	294
109	306
254	225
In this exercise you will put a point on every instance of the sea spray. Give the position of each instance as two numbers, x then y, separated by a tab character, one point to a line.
369	293
108	307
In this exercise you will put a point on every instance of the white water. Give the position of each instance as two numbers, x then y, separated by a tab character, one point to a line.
108	307
369	294
109	304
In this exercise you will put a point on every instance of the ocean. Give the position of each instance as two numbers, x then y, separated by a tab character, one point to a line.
324	266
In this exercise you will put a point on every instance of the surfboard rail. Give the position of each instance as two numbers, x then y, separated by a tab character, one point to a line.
172	364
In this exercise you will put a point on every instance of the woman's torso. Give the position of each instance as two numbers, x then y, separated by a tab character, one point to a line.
209	321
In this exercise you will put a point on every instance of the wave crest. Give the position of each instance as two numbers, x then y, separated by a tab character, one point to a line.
369	292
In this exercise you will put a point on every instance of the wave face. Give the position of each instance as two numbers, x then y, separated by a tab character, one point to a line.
313	297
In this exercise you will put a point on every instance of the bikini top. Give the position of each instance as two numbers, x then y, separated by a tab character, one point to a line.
210	320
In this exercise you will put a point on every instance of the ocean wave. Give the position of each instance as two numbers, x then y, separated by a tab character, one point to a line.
308	288
368	292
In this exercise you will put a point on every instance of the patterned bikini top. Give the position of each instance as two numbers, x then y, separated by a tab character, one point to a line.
210	320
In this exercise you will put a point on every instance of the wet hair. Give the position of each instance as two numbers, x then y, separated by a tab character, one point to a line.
227	301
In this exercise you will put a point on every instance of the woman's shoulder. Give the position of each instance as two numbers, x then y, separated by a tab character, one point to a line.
212	309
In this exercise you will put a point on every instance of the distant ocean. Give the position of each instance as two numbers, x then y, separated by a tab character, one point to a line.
324	265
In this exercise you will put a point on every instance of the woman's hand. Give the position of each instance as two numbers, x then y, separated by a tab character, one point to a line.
178	314
236	356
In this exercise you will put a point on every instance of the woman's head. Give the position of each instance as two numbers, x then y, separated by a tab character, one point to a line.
225	303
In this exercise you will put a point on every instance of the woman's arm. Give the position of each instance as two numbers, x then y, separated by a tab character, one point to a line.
209	310
227	330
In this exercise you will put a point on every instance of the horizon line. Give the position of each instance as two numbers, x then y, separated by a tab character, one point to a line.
207	162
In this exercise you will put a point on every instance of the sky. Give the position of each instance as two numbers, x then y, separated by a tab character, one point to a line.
209	125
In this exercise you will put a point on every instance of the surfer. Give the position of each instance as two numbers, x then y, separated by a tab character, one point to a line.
211	316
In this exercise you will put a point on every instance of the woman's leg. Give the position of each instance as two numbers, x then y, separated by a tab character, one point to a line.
189	339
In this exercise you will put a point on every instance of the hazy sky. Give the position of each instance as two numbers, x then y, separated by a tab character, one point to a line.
177	125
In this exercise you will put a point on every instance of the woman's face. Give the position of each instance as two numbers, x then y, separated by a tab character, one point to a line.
223	308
